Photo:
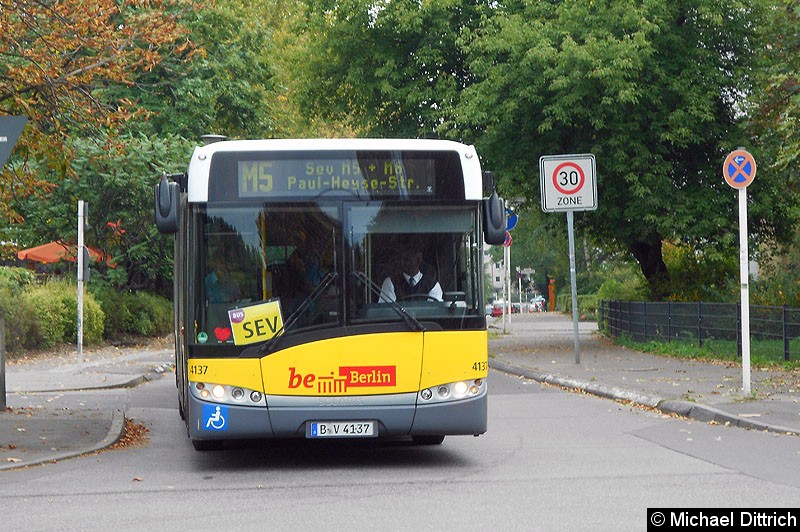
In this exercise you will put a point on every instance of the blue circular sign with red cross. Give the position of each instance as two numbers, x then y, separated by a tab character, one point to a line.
739	168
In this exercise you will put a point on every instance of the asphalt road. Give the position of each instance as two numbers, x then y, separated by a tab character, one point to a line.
551	460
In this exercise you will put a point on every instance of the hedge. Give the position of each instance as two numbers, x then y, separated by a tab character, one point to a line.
40	315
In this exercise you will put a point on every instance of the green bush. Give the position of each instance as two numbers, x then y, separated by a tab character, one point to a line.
587	305
129	313
40	316
623	289
15	279
93	315
776	287
12	283
48	315
47	318
20	320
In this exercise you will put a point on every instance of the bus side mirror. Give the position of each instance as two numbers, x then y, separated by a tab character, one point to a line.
494	220
488	182
167	206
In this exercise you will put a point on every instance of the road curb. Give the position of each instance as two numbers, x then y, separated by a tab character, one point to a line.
113	435
709	414
115	432
698	412
608	392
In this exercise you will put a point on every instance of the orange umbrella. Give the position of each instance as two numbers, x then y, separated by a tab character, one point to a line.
58	251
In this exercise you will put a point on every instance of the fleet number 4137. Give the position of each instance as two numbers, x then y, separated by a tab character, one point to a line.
479	366
198	369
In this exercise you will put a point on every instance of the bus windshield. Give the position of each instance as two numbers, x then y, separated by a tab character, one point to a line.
440	245
336	264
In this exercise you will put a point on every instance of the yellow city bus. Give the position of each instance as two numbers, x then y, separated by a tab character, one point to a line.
284	323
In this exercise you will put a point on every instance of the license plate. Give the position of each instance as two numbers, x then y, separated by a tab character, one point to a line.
341	429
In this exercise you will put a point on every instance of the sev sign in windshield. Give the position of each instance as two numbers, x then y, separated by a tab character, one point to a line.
256	323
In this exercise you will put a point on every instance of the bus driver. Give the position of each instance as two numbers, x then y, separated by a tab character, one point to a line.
413	279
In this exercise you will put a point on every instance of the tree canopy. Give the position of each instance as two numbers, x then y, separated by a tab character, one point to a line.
776	96
110	110
659	91
656	90
58	60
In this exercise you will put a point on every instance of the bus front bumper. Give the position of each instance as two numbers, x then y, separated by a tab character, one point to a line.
286	417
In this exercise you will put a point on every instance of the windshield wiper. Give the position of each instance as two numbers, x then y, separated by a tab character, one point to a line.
301	309
410	320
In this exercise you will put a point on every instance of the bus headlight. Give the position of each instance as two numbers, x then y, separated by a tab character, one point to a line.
222	393
460	388
452	391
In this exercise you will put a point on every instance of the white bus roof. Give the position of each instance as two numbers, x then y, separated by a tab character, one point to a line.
199	165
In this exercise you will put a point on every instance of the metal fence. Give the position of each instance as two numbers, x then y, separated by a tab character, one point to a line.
700	322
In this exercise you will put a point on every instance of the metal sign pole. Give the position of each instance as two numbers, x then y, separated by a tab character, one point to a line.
744	277
2	362
739	170
81	258
10	129
508	282
573	286
568	183
506	261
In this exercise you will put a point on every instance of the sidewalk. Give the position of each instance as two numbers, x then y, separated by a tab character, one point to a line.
38	427
541	346
59	407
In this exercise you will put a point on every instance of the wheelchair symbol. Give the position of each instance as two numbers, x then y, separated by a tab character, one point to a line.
216	421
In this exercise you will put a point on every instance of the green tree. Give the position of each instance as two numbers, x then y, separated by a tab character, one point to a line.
57	59
391	68
776	98
776	125
656	90
215	80
653	89
224	87
115	176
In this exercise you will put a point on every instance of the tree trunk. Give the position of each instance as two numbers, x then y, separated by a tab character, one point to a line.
648	254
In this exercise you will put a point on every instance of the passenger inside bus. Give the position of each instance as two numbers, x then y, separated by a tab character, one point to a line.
222	291
302	276
219	283
306	267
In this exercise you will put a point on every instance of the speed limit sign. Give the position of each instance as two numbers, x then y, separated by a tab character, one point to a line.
568	183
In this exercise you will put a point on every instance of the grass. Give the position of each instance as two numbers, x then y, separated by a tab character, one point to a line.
763	353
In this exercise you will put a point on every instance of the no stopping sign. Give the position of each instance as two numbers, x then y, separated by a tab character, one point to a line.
568	183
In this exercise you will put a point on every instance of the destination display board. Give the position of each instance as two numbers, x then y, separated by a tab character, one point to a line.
378	175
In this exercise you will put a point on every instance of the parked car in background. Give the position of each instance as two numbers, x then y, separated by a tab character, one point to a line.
538	304
497	310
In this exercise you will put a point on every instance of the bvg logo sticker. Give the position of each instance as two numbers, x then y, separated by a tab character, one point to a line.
348	377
